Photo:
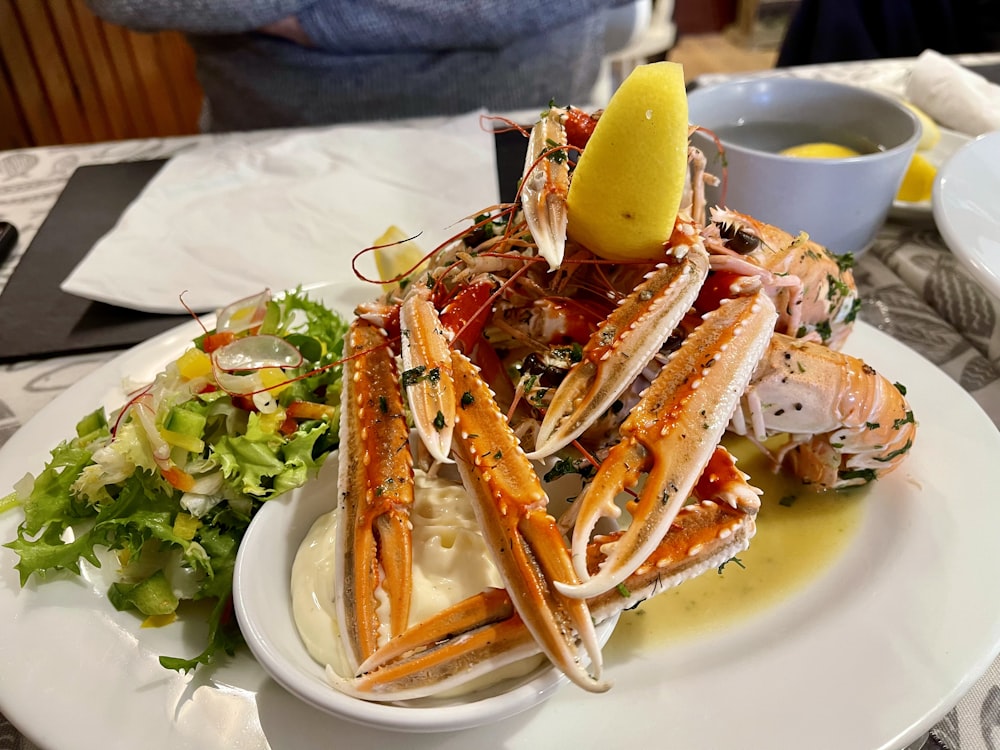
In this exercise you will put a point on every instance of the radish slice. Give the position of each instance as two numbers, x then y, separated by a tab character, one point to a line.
244	314
265	402
239	385
256	353
249	385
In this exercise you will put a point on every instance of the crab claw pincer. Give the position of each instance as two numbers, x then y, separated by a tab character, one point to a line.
426	376
671	435
621	348
545	185
376	494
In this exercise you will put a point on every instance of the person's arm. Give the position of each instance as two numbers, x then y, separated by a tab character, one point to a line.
435	25
198	16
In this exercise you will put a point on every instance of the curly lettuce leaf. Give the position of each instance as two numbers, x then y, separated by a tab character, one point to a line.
263	466
224	636
104	491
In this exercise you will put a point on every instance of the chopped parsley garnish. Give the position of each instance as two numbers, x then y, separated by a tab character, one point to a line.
896	453
868	475
413	376
908	419
837	288
573	353
844	262
566	466
824	330
558	156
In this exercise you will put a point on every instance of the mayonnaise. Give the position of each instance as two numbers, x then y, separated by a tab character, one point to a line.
450	563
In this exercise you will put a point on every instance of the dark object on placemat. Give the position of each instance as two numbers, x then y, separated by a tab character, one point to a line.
511	146
38	318
8	238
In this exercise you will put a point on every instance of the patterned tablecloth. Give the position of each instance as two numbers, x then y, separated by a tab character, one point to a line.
913	288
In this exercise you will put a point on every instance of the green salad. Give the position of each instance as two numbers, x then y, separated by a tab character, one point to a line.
170	481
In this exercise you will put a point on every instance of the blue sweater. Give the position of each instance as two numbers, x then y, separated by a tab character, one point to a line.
379	59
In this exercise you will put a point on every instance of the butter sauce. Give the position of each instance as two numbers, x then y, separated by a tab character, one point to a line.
800	533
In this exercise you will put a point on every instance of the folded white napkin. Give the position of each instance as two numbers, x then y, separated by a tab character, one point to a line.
279	209
952	95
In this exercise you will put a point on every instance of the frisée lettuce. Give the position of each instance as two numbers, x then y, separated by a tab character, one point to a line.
170	482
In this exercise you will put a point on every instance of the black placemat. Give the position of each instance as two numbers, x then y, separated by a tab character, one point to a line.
38	319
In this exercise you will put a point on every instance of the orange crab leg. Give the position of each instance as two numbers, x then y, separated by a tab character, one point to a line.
702	536
483	633
376	494
620	348
527	548
671	435
484	608
440	666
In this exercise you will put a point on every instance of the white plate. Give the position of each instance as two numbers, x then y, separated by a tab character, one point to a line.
869	656
966	208
950	142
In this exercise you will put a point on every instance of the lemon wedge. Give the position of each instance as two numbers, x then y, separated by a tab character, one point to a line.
395	255
820	151
918	181
930	132
626	188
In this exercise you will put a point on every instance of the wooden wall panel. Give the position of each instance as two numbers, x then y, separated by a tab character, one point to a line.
107	88
13	129
68	77
80	70
181	81
155	86
50	64
26	84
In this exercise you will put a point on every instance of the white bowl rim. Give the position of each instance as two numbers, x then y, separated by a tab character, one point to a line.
779	80
275	519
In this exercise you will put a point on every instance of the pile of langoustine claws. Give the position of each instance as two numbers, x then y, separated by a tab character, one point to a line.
617	371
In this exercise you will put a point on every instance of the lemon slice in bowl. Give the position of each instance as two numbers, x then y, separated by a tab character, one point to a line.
820	150
395	255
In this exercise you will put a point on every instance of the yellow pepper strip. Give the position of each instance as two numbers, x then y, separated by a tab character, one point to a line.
194	363
186	526
190	443
158	621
